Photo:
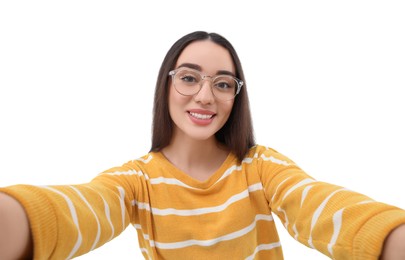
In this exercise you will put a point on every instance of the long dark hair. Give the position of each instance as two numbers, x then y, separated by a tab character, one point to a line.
236	134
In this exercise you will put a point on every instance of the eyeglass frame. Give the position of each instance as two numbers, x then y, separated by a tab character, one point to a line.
239	82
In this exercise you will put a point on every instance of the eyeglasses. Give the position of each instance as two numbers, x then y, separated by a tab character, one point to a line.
189	82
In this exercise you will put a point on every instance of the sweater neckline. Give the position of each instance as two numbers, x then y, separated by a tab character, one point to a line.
187	179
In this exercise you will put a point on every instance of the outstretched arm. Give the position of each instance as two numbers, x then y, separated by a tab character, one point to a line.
65	221
336	221
394	245
15	237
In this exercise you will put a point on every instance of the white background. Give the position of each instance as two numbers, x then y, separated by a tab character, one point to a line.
325	80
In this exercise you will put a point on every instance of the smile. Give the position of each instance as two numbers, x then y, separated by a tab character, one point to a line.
200	116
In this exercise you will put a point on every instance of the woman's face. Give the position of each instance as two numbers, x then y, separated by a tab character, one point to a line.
200	116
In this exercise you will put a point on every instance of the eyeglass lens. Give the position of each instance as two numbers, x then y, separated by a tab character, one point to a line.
189	82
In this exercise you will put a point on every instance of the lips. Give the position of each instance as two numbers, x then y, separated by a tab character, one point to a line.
201	117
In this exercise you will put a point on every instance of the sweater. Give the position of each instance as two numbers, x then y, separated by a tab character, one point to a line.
228	216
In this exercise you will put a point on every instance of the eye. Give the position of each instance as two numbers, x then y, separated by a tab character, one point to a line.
189	79
225	83
222	85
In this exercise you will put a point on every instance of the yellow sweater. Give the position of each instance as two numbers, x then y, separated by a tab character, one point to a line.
229	216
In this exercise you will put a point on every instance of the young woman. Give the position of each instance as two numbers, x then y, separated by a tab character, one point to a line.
205	190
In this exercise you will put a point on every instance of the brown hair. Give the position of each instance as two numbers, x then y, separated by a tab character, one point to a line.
236	134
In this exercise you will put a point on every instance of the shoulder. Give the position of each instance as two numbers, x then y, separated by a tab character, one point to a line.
265	153
132	166
144	161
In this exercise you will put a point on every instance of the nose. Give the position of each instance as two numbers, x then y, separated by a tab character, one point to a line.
205	95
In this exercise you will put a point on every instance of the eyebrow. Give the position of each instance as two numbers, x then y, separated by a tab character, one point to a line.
198	67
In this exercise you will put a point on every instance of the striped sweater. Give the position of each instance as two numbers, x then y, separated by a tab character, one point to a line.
228	216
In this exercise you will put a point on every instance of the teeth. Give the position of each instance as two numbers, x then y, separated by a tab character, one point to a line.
200	116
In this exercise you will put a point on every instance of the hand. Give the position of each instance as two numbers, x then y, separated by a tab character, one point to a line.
15	237
394	245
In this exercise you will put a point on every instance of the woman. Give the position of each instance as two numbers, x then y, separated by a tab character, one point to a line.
205	190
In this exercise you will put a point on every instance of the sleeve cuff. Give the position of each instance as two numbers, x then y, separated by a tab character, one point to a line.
369	240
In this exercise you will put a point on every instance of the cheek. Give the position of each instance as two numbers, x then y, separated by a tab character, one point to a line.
174	97
172	103
176	101
227	108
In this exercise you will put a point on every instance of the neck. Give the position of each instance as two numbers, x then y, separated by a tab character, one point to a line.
193	151
191	155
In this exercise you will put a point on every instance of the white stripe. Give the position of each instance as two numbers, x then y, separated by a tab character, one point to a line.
145	161
107	213
200	211
296	186
74	218
318	212
137	226
229	171
366	202
95	216
122	204
248	159
275	160
337	225
144	250
210	242
108	216
281	183
173	181
146	237
129	172
303	196
233	168
285	216
295	232
305	193
141	205
263	247
255	187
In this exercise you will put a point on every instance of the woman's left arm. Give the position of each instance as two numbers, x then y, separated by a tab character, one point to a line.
336	221
394	245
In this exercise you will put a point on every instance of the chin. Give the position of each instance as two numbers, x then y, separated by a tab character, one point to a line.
201	137
198	133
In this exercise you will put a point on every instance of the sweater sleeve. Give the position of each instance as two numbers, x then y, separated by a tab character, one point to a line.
338	222
69	220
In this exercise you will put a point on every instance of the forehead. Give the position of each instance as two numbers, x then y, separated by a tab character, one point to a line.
210	56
